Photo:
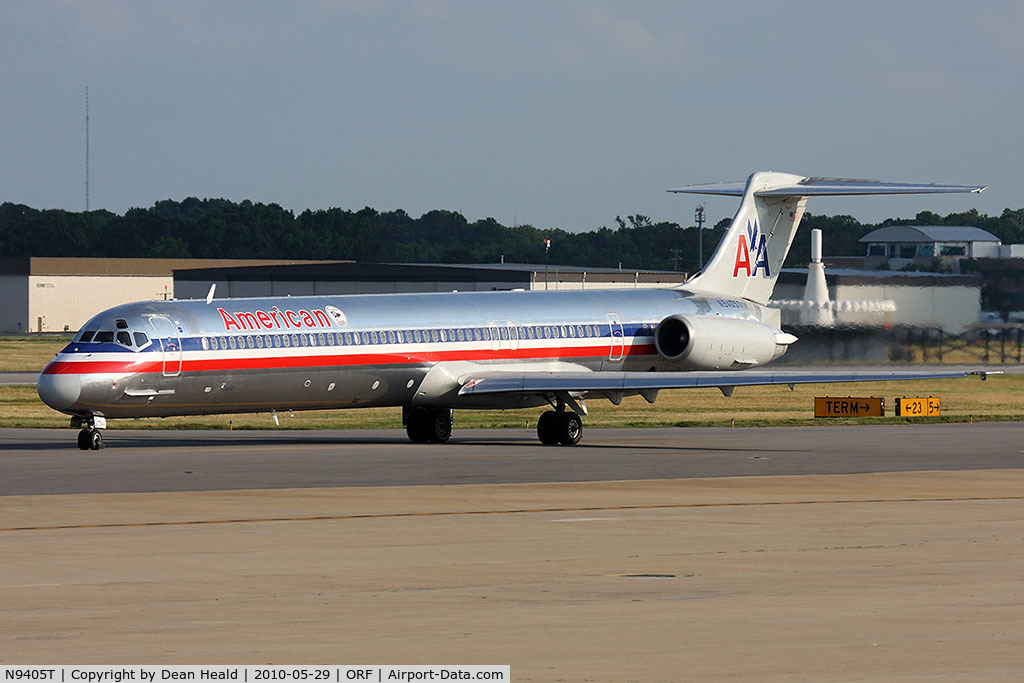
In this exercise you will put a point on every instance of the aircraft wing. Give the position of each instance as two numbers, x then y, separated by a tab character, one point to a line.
617	384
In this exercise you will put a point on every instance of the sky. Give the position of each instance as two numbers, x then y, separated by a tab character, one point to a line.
557	114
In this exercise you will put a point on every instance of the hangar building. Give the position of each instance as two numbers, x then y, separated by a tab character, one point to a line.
50	294
387	278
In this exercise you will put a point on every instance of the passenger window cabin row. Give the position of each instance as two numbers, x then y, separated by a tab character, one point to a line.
376	337
366	338
436	335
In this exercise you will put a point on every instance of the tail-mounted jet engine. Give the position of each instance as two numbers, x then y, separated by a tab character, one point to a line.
699	342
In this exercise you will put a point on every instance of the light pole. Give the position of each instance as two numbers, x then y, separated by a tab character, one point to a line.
547	246
698	217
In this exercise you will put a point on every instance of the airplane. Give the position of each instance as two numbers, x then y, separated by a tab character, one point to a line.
433	353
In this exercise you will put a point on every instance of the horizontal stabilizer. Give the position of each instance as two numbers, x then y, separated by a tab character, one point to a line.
823	187
724	189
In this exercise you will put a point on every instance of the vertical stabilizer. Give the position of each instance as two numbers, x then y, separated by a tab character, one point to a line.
746	262
748	259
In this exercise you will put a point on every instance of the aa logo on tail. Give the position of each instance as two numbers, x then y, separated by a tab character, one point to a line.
751	248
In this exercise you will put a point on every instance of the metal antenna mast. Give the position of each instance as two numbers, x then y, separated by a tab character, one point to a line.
675	258
87	148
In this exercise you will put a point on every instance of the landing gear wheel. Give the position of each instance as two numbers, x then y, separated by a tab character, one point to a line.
90	440
429	426
547	428
415	427
440	422
569	428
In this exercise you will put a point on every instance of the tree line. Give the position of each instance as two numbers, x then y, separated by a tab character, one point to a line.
220	228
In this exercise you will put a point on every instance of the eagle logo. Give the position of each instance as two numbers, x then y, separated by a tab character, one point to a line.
337	315
751	252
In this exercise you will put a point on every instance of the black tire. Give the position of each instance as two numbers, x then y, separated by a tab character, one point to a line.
429	426
95	440
416	426
547	428
84	441
569	428
439	425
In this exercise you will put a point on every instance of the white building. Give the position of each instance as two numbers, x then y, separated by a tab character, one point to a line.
49	294
900	245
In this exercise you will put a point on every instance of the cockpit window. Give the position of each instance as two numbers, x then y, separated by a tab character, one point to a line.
104	336
124	338
121	324
141	339
86	335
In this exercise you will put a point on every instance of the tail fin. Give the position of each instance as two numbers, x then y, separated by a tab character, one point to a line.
747	261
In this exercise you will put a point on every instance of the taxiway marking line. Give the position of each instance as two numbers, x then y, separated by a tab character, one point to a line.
514	511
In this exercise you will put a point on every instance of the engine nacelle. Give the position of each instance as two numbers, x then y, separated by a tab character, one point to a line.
699	342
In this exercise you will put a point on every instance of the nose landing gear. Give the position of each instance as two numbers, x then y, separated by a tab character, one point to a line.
90	438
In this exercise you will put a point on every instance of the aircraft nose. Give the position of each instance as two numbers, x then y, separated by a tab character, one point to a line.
60	392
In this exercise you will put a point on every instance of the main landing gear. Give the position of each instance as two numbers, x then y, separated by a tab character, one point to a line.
559	427
428	425
434	425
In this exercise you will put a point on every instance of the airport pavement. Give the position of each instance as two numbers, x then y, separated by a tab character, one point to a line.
18	378
811	554
892	576
47	461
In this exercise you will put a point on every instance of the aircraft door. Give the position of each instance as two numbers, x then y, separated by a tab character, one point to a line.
495	336
617	342
504	335
513	335
167	333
